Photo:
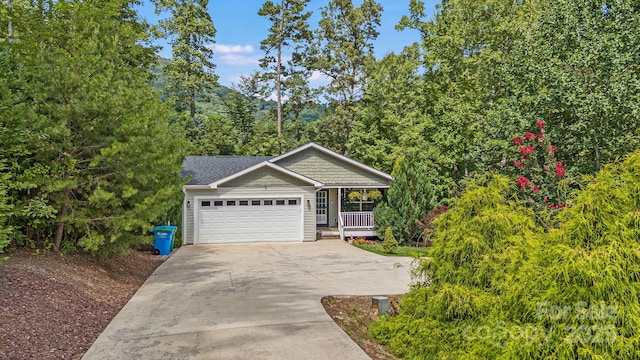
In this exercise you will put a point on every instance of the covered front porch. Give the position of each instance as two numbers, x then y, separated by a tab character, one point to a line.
347	211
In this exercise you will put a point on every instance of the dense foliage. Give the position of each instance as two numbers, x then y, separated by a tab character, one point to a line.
498	286
410	199
88	158
482	71
74	85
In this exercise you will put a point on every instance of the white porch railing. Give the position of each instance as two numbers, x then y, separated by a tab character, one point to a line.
357	220
341	226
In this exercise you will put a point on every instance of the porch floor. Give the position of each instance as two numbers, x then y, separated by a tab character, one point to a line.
334	233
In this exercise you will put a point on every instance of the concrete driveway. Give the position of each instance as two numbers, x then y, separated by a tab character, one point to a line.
248	301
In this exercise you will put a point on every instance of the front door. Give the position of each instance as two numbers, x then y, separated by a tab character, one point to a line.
322	217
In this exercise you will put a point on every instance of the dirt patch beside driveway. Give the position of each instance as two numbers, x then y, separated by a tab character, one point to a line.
54	307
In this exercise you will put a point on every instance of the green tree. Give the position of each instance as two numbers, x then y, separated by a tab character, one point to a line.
191	33
12	145
462	122
288	26
241	110
391	115
213	142
105	163
582	71
409	199
300	97
341	46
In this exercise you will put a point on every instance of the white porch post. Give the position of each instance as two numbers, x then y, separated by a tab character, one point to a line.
339	201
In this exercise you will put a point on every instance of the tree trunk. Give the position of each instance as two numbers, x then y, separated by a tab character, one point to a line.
279	81
64	211
27	226
596	150
279	92
10	6
192	105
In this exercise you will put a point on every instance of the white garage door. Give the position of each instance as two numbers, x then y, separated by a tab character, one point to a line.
244	220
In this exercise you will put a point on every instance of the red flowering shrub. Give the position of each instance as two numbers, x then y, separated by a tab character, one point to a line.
540	177
427	220
526	151
522	182
560	172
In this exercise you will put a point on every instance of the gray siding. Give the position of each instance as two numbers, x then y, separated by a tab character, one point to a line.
330	170
188	231
307	193
264	177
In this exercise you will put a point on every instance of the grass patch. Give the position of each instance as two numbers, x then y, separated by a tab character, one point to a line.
402	250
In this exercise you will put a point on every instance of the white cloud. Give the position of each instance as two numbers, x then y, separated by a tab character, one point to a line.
234	55
231	49
238	60
318	77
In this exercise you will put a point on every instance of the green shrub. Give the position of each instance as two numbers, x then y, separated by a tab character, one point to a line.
500	287
409	200
591	271
390	244
479	245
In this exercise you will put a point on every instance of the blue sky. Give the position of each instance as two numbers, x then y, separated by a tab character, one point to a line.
240	30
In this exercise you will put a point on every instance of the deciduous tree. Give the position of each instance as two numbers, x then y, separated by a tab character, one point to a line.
580	71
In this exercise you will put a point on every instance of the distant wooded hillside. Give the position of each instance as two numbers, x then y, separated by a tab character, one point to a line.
213	101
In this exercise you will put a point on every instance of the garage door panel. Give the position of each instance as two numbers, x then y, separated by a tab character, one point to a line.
250	221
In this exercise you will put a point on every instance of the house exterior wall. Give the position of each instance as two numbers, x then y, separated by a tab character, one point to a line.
264	177
333	207
306	193
188	214
330	170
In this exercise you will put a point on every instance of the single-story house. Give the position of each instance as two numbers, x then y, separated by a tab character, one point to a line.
291	197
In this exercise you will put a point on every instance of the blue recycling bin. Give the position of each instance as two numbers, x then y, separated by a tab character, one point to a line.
163	239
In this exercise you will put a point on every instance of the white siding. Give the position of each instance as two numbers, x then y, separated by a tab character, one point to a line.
307	194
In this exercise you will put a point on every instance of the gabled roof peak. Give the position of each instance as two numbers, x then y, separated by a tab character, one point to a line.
215	184
333	154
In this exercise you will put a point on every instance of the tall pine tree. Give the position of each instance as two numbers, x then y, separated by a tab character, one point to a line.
191	33
288	26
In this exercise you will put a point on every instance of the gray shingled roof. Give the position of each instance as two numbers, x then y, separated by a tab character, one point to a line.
204	170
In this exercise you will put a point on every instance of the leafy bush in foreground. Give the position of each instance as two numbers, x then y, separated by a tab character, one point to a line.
478	245
502	288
